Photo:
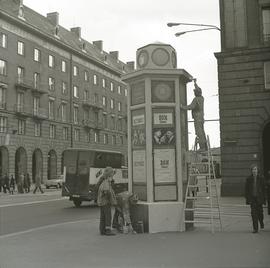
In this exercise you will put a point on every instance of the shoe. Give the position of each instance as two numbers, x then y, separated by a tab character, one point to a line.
109	232
255	231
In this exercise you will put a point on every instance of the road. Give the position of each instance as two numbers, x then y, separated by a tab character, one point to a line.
27	212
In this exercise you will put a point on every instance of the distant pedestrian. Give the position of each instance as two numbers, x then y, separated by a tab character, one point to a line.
255	197
1	183
6	183
12	184
268	191
38	184
26	183
105	199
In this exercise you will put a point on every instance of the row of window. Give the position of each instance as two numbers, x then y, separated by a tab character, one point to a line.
98	138
51	64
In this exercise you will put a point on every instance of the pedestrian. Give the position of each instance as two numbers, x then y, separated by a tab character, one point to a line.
12	184
26	183
38	184
255	197
20	183
105	200
1	183
197	108
6	183
268	191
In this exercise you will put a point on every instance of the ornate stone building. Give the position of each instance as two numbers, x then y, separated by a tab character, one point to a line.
57	90
244	90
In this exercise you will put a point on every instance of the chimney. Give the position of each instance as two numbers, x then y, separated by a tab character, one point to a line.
98	44
53	18
131	65
76	31
114	54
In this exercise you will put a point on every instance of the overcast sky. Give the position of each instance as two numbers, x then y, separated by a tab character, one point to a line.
126	25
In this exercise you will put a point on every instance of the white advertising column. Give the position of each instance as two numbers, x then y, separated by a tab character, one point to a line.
157	137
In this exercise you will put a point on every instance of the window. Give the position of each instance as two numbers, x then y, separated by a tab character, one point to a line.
75	114
65	133
105	121
96	98
105	138
36	55
63	66
3	67
64	111
125	92
51	108
52	131
113	122
112	103
51	61
267	74
36	105
113	140
104	101
96	137
121	140
119	106
86	95
64	88
36	80
119	125
95	79
20	48
266	23
21	127
20	73
51	83
75	91
119	90
20	101
88	136
2	98
75	70
86	76
37	128
103	83
3	40
3	124
76	134
112	87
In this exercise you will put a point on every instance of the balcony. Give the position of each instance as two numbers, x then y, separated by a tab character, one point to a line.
23	83
40	113
91	104
87	123
22	110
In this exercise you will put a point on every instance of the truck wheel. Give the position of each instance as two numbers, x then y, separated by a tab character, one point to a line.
77	202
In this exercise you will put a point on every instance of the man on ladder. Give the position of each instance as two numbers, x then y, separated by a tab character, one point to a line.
197	107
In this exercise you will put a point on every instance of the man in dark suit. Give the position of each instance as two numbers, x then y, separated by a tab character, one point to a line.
255	197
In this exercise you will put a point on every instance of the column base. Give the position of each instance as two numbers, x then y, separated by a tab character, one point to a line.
159	216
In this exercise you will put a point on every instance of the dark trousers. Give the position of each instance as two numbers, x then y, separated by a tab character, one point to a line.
105	218
38	187
268	200
256	213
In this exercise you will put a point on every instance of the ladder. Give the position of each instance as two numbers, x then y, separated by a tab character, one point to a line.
202	205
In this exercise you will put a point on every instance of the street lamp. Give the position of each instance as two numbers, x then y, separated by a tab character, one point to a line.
198	30
172	24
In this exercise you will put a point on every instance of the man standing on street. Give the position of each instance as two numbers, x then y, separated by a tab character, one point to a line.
197	108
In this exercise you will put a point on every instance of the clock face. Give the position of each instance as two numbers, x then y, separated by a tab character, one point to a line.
163	92
143	58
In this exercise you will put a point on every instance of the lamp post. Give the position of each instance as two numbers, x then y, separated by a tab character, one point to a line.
172	24
198	30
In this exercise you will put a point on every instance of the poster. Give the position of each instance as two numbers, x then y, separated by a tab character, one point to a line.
138	128
163	118
138	165
164	136
164	165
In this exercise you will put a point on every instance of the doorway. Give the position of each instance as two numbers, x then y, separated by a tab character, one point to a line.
266	148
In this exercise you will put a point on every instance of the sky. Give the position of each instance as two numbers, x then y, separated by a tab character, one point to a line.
126	25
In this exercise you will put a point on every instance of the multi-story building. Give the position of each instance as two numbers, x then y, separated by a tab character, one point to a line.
57	90
244	90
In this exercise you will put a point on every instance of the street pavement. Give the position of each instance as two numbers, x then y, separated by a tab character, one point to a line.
78	244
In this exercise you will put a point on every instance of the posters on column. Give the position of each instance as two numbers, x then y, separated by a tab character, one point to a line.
139	168
164	165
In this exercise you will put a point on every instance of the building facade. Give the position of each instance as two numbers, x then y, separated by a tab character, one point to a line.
57	90
244	90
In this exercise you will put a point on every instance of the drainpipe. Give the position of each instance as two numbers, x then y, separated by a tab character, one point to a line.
71	102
